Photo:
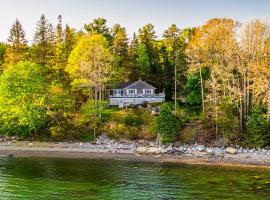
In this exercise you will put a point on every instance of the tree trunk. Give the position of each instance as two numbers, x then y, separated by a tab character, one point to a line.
268	109
216	114
202	92
241	116
100	100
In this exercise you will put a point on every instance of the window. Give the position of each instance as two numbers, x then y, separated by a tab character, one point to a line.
131	91
147	91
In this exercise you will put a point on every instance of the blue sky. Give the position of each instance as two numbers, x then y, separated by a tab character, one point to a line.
130	13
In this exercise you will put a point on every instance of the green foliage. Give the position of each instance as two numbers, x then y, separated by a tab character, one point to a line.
193	87
134	118
65	97
2	53
166	124
16	50
44	42
99	26
227	121
22	99
258	129
142	61
186	136
91	62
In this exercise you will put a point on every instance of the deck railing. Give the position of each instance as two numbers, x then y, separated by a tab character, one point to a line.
161	95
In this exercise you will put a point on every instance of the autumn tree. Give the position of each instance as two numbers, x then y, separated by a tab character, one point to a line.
91	65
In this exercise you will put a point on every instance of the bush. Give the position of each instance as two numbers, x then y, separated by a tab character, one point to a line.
227	121
187	135
134	118
166	124
118	131
258	129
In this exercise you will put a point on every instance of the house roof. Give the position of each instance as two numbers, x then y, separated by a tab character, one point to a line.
123	85
139	85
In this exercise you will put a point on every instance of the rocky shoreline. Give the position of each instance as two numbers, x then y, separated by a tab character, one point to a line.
139	150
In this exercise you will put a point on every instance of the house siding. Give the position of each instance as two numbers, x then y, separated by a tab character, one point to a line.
139	97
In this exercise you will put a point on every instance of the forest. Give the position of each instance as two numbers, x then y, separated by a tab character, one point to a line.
55	87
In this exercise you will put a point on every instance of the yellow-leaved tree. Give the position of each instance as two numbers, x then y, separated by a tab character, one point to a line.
91	66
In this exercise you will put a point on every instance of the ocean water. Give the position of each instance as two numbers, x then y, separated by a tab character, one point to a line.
58	178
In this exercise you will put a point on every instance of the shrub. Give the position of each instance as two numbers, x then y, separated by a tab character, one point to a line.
227	121
166	124
118	131
134	118
187	135
258	129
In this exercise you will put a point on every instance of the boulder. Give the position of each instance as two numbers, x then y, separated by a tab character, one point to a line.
153	151
200	148
231	150
152	144
141	150
209	150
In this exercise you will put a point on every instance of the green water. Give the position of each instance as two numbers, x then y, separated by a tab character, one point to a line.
51	178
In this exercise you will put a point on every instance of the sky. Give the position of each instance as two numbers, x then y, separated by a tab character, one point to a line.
131	14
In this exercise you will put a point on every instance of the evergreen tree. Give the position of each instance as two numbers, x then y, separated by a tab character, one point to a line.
69	40
166	124
44	42
142	63
59	30
99	26
132	55
16	50
168	71
147	38
120	47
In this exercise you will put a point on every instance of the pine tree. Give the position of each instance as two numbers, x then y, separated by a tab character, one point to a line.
147	38
16	50
132	55
99	26
166	124
44	42
120	47
59	30
172	41
69	40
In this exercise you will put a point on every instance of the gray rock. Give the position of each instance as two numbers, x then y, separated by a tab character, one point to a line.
231	150
209	150
200	148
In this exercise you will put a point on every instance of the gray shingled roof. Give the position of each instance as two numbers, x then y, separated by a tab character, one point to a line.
139	85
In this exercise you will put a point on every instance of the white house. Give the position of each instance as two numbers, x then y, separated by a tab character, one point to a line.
135	93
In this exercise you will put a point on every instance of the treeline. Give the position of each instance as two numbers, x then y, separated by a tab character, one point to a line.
57	85
232	62
59	82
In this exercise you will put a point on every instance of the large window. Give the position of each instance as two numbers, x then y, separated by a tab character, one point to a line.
118	92
132	91
147	91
